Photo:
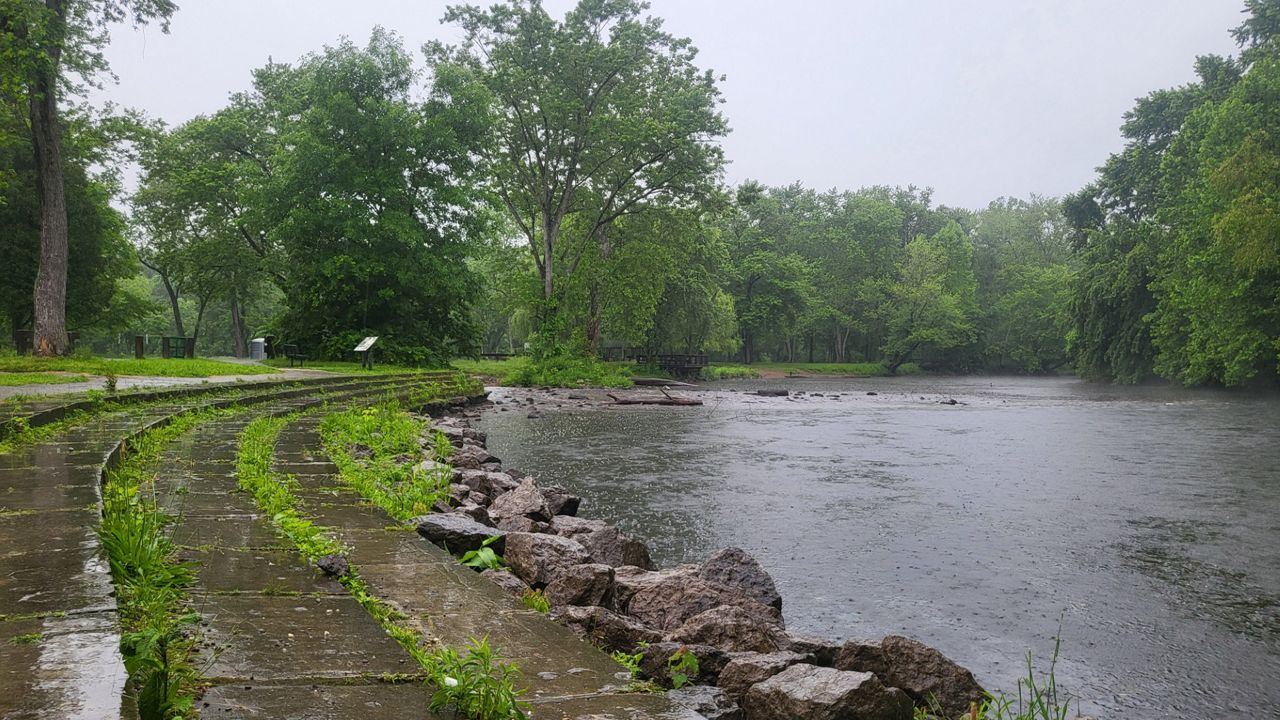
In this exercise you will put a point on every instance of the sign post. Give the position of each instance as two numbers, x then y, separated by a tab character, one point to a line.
365	348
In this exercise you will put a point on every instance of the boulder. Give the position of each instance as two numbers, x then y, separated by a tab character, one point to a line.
925	673
629	579
561	501
537	558
733	628
458	493
773	393
334	565
710	703
590	584
606	543
571	526
822	650
458	532
809	692
654	659
482	481
521	523
471	457
669	602
605	628
476	512
733	567
506	581
526	500
747	669
860	656
426	467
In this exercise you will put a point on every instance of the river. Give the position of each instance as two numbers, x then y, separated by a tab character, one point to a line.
1145	520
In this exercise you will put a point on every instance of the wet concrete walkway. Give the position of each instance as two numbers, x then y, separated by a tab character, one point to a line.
451	604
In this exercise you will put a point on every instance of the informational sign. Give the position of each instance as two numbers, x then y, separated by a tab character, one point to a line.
366	343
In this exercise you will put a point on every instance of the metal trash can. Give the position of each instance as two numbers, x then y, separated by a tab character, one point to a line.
258	349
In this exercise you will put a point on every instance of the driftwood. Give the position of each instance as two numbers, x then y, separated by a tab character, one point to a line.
668	400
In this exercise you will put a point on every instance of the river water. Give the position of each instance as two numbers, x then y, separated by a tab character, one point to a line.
1145	521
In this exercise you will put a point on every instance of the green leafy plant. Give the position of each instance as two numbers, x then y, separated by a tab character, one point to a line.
110	384
683	667
475	685
535	600
630	662
483	558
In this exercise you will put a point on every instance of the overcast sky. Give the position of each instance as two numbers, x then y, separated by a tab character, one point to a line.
977	99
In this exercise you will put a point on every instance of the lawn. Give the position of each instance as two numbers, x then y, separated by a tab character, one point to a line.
351	368
8	379
156	367
491	368
868	369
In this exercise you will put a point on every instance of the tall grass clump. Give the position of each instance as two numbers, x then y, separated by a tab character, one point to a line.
568	371
728	372
1038	698
157	624
378	451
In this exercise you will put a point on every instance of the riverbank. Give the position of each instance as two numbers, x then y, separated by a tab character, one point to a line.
714	632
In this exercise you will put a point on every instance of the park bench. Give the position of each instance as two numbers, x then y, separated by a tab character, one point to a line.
291	352
178	346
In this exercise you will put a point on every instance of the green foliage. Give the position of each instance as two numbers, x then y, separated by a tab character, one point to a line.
475	685
728	372
568	371
11	379
683	667
147	368
630	662
932	303
535	600
389	475
484	557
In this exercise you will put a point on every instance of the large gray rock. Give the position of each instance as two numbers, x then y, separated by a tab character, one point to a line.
733	628
613	547
823	650
590	584
491	484
861	656
561	501
630	580
655	659
521	523
734	568
747	669
526	500
505	580
925	673
458	532
711	703
669	602
605	628
571	526
476	512
537	558
809	692
471	457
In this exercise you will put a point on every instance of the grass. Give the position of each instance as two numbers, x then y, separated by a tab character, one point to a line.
728	372
157	625
570	371
11	379
193	368
390	477
495	369
351	368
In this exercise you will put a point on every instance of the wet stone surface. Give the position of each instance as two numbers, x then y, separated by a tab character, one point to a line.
227	531
381	701
277	638
61	668
264	571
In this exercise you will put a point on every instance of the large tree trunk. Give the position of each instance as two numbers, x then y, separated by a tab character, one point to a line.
51	278
173	304
238	331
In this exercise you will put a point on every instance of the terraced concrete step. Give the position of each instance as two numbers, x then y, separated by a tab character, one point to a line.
59	637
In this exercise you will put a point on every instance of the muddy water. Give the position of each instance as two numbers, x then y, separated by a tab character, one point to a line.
1147	521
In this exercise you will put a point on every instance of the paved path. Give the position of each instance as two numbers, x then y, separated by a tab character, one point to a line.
138	382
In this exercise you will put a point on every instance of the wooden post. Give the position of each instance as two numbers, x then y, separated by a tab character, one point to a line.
139	346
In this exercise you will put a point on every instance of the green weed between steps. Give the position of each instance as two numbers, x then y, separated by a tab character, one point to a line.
473	683
378	451
1038	698
156	622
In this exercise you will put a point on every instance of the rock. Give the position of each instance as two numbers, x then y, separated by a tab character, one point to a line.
654	661
605	628
561	501
425	467
441	506
476	512
360	451
537	559
571	527
471	457
334	565
734	568
747	669
526	500
710	703
773	393
459	492
458	532
822	650
491	484
477	498
872	392
860	656
506	581
733	628
590	584
534	414
809	692
672	597
576	396
521	523
613	547
923	672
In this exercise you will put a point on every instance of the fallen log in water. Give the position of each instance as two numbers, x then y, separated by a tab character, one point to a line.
651	400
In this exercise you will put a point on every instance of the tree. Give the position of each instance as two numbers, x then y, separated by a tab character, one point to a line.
598	116
43	44
931	303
